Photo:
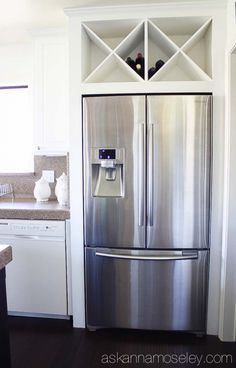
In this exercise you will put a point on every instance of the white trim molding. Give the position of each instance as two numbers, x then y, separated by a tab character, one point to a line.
143	8
227	316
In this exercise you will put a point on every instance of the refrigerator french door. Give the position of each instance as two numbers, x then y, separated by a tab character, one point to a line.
146	210
114	212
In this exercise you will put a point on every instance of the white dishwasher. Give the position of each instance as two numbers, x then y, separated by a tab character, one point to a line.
36	278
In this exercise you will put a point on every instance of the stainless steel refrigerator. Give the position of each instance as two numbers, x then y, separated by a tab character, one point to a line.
147	210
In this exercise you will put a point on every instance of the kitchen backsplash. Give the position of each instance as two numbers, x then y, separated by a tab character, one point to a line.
23	184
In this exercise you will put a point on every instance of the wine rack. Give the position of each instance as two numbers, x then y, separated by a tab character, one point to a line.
184	45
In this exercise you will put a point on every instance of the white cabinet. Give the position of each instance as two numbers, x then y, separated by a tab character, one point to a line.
51	95
37	277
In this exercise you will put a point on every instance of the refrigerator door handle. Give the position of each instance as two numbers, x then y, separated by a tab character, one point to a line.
150	176
174	257
141	175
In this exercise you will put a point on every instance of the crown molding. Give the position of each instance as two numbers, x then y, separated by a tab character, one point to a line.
104	9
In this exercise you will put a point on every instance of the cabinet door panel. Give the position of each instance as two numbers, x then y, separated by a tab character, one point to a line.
52	95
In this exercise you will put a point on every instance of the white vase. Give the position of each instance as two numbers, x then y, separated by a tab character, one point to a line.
42	190
58	183
61	189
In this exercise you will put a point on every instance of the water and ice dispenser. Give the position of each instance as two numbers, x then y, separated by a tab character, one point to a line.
107	166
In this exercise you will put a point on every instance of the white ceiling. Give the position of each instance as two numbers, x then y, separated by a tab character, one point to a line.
19	17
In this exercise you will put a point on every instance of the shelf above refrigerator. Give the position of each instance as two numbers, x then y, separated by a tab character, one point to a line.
108	44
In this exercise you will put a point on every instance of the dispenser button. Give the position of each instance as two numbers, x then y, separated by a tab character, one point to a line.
108	164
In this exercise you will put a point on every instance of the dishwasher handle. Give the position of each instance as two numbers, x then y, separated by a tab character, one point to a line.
31	237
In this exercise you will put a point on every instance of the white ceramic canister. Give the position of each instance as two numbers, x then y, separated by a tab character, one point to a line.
61	189
42	190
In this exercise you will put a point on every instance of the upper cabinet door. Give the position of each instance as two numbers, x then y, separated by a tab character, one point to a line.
114	198
51	95
178	161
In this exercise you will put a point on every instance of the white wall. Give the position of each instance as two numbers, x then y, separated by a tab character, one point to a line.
231	24
16	64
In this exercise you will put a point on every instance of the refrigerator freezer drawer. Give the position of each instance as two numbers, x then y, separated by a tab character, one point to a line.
154	290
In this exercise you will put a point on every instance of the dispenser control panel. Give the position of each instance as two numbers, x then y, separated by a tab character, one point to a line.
100	155
115	154
107	154
108	168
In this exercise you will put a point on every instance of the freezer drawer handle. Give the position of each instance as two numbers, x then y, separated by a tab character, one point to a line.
149	258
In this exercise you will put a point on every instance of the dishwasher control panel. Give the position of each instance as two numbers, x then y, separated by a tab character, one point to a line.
32	227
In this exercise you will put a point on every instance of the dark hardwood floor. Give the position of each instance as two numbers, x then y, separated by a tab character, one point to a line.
47	343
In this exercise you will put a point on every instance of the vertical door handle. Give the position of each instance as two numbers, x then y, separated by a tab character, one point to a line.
150	176
141	176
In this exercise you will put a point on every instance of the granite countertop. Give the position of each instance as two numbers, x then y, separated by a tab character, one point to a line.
32	210
5	255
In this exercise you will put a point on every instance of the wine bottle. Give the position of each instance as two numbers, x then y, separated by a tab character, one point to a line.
159	64
140	64
131	63
151	72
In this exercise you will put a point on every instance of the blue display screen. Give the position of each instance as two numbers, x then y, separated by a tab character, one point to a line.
106	154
